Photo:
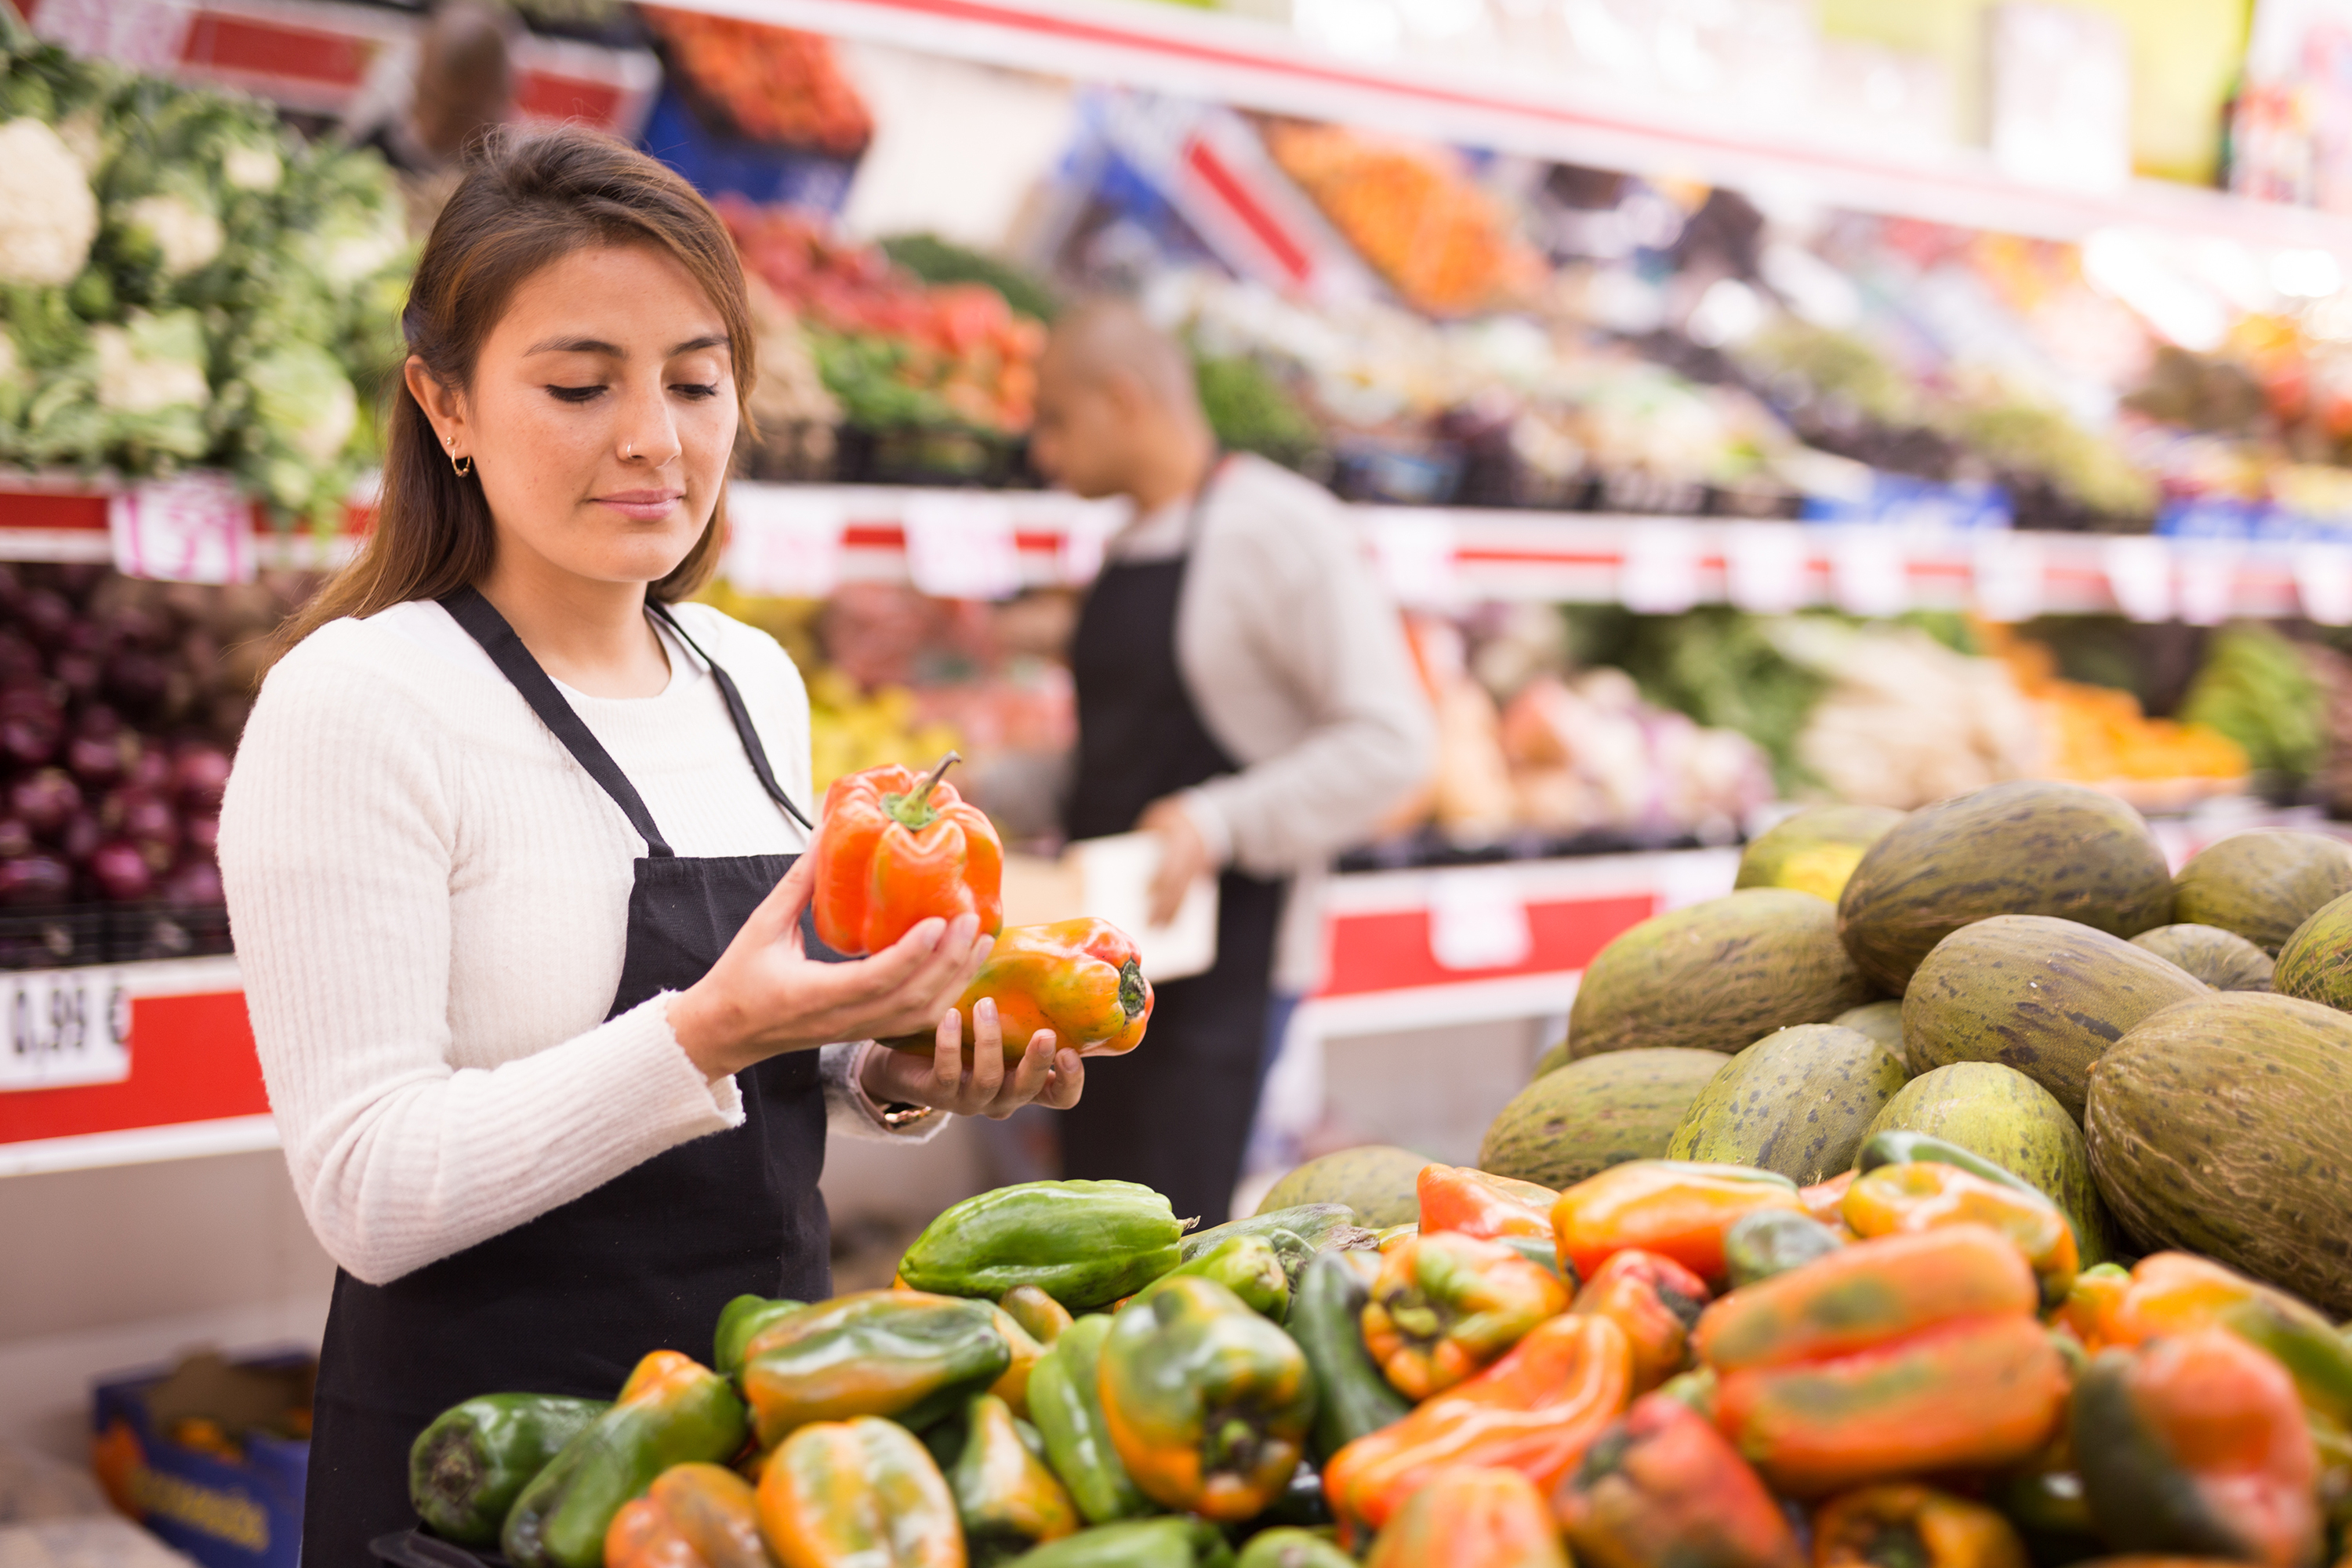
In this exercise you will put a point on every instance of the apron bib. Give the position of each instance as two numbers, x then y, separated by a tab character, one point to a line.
568	1302
1174	1115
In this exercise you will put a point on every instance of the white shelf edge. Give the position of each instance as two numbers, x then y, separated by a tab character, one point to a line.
139	1146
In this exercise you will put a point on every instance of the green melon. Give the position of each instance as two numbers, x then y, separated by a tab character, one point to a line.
1585	1117
1552	1060
2222	959
2043	995
2032	848
2008	1119
1816	850
2263	884
2315	964
1882	1021
1794	1102
2224	1126
1379	1180
1716	976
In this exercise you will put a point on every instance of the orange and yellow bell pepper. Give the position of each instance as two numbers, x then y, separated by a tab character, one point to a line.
1656	1301
1925	1194
1469	1517
862	1493
1903	1525
1475	1203
1661	1486
1677	1208
693	1516
1444	1305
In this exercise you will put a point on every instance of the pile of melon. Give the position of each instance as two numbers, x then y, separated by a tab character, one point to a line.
2013	970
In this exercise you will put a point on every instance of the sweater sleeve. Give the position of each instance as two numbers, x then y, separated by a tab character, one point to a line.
1295	591
338	849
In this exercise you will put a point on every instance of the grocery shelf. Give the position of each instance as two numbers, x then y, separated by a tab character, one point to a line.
1521	104
1408	950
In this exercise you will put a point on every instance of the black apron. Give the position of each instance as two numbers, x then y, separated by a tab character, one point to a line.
1175	1114
568	1302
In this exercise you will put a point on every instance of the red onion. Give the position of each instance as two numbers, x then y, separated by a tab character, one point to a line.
137	678
31	725
150	771
15	838
147	820
201	771
35	880
193	882
100	760
20	661
121	872
202	831
44	801
77	672
97	718
47	616
81	837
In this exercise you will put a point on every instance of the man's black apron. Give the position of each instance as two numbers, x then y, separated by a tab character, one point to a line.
1175	1114
568	1302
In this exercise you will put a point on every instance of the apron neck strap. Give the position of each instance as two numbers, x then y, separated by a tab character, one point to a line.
738	714
482	621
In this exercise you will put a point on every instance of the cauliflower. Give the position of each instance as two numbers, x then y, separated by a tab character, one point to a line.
152	363
247	167
48	215
187	235
354	242
304	403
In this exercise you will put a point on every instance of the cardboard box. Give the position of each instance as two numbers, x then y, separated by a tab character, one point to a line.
224	1513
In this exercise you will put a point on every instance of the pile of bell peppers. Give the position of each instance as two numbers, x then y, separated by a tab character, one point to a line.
1667	1365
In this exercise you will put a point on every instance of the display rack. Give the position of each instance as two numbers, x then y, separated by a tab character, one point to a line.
1408	950
804	539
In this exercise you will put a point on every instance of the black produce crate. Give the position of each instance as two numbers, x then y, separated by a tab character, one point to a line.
72	935
54	937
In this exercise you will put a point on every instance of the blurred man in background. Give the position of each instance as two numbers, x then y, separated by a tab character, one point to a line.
1245	695
423	106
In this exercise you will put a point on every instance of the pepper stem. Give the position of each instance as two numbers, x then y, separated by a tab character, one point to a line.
913	810
1131	990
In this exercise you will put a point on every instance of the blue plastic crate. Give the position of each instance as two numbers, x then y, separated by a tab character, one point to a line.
223	1513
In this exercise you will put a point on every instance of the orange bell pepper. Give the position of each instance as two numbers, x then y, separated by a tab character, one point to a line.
1822	1199
1677	1208
693	1516
1926	1195
1469	1517
862	1493
892	851
1660	1486
1535	1411
1473	1202
2197	1446
1656	1301
2091	1305
1910	1526
1083	979
1444	1305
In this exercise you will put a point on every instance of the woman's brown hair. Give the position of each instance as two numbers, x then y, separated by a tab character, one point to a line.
528	199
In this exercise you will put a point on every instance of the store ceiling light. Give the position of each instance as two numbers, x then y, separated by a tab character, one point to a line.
2306	274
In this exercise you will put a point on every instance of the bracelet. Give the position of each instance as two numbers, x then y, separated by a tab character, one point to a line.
898	1114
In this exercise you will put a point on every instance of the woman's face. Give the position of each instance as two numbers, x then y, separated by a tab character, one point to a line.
602	416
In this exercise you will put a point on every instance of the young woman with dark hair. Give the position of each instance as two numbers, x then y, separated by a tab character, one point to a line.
512	851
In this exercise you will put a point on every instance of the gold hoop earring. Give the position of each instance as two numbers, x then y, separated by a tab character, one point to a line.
462	466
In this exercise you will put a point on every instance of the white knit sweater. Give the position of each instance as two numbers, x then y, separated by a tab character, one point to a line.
429	898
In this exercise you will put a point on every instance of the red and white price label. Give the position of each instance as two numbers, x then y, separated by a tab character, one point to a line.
1477	920
1770	567
1660	576
2323	581
2008	576
783	543
64	1027
192	528
1869	571
2139	574
1415	554
2209	580
961	546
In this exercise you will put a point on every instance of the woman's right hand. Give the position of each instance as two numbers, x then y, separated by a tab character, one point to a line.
765	995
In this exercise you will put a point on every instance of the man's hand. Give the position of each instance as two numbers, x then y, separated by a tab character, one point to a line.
1183	855
945	1080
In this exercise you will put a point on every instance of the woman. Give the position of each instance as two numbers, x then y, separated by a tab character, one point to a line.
513	879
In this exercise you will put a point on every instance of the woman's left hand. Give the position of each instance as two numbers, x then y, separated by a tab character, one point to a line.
946	1080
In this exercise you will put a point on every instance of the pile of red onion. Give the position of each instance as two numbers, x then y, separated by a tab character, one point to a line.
120	704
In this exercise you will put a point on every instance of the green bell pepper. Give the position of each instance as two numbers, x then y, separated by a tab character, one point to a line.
740	1322
1086	1244
1766	1242
1136	1543
1208	1403
1326	1228
1005	1495
465	1469
1066	1404
1292	1548
672	1411
1352	1398
904	1354
1248	1265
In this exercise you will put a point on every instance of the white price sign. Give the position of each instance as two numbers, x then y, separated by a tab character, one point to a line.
192	528
65	1026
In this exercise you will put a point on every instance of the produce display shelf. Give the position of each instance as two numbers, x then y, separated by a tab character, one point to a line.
804	539
1408	950
1520	102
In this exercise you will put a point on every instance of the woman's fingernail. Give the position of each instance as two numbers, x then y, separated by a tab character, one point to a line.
984	1010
